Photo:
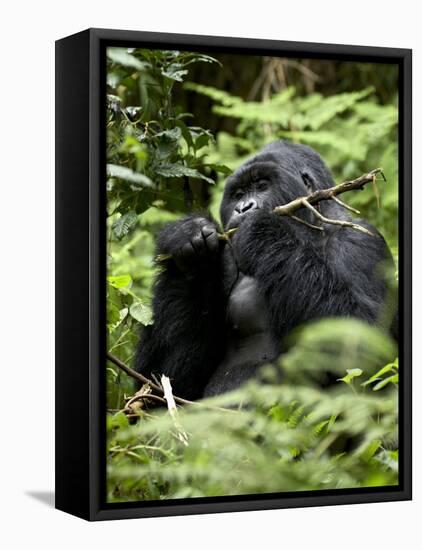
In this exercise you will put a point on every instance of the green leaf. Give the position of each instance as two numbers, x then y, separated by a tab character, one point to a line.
175	72
332	106
215	94
114	102
120	281
189	58
354	372
389	459
167	142
351	374
394	379
185	132
177	170
222	168
113	78
368	452
113	316
275	110
118	420
124	173
377	376
124	224
121	56
170	135
277	413
142	313
331	422
320	426
202	141
133	146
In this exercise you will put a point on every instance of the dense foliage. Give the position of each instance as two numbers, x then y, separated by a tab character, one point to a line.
161	164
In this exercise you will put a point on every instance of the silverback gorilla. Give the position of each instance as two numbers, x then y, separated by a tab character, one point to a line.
222	310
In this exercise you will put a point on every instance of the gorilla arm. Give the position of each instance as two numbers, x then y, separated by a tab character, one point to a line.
186	340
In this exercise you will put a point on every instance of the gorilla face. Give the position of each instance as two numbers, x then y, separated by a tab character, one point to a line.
279	174
251	188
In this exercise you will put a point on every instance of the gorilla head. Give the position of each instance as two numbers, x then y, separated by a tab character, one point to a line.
280	173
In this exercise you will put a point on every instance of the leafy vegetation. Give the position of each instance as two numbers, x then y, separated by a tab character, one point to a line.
273	437
298	435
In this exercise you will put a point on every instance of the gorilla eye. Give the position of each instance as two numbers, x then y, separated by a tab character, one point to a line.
238	194
261	185
307	180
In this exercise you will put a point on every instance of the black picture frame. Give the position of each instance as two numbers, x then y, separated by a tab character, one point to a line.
80	274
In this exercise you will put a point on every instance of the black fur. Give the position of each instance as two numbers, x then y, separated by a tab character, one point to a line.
300	274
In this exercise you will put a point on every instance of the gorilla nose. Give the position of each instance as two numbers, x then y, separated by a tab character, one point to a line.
244	206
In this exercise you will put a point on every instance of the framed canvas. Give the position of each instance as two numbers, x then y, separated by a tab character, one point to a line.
233	244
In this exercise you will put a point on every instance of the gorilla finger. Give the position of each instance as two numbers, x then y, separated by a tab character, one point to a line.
187	251
198	244
184	256
211	238
197	223
207	230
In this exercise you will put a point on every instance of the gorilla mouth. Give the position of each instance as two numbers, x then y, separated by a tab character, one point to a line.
237	220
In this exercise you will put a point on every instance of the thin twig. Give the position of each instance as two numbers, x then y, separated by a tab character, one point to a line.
342	223
346	206
168	395
141	378
311	225
141	396
181	435
138	376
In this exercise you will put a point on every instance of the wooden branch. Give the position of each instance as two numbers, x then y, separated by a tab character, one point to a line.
330	193
141	378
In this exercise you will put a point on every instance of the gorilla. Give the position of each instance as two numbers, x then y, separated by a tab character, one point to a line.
222	309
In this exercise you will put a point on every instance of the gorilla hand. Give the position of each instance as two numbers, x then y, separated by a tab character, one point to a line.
190	242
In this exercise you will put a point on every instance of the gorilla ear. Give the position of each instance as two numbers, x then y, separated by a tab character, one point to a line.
309	181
